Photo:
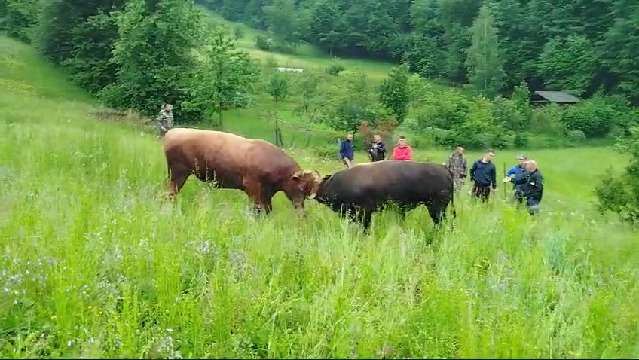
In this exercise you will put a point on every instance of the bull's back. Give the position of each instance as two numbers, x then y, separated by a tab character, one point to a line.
207	154
395	180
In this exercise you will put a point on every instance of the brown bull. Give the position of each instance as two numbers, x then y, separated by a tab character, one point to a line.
257	167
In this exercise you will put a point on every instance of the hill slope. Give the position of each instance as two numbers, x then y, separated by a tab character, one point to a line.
96	264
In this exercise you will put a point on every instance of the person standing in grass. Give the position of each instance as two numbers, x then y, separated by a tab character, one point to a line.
165	119
402	150
517	175
457	167
484	176
377	151
346	150
533	187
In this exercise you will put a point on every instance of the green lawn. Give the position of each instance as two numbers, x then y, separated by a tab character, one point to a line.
305	56
96	263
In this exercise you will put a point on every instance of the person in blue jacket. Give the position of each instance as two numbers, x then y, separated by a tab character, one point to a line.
517	176
346	150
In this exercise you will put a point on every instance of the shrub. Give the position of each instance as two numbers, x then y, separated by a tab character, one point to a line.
326	152
263	43
521	139
238	32
594	117
576	135
621	194
335	69
547	120
507	113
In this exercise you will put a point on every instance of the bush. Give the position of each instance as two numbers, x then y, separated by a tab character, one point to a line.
547	120
576	135
507	113
521	139
335	69
21	18
621	194
594	117
238	32
326	152
263	43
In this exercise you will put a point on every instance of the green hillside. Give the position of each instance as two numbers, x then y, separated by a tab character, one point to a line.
96	263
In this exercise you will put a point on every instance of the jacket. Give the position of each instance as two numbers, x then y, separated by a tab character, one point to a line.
518	176
377	151
484	174
457	165
403	153
533	187
346	150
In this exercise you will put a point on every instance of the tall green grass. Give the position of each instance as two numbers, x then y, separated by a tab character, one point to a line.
95	263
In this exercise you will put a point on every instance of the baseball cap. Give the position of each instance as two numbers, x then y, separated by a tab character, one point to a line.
522	157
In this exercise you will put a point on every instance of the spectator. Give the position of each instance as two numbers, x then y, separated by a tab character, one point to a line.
457	167
484	176
402	150
165	119
346	150
517	175
533	187
377	151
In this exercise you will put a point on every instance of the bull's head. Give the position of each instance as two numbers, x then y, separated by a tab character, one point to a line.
308	182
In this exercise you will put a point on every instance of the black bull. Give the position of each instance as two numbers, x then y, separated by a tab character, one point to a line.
364	189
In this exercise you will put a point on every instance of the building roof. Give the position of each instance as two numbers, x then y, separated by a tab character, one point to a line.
557	96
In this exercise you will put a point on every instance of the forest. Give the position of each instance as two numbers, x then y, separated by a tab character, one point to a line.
584	46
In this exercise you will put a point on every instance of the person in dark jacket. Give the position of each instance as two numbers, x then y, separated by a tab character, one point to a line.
533	188
484	175
517	176
346	150
377	151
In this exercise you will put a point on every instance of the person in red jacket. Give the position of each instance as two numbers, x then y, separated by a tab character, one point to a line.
402	151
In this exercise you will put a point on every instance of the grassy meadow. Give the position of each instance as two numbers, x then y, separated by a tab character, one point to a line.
305	56
96	263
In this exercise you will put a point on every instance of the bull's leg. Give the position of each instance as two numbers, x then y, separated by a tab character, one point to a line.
437	213
267	197
254	191
176	182
365	218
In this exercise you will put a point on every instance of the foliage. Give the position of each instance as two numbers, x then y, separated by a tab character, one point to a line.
20	18
353	104
473	122
621	194
335	68
394	92
238	32
90	57
581	45
281	23
568	64
484	61
225	79
278	87
263	43
548	120
154	55
594	117
308	88
508	114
